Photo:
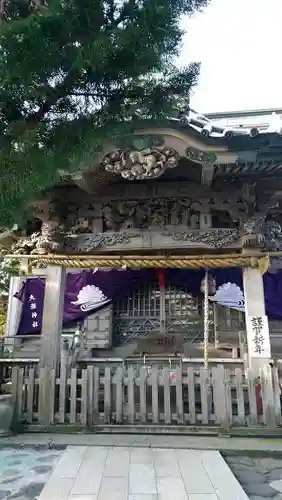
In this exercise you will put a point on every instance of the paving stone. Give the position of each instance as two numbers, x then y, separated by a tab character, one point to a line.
25	472
242	461
269	463
21	454
277	485
250	477
16	497
48	458
11	479
15	462
31	491
4	493
238	466
275	475
258	480
257	497
42	469
11	472
263	490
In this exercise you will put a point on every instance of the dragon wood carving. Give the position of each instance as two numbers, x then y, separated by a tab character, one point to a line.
49	240
260	232
216	238
140	165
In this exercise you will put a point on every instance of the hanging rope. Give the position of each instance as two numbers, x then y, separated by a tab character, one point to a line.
206	319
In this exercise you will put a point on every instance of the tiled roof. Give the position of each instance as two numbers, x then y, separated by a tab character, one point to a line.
266	136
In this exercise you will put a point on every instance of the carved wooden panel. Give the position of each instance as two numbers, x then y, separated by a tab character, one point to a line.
134	240
157	215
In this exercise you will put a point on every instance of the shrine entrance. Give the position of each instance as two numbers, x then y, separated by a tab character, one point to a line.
140	314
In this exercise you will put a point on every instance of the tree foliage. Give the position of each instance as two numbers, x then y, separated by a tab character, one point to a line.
74	73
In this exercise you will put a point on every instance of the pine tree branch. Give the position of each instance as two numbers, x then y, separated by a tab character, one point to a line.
109	63
55	94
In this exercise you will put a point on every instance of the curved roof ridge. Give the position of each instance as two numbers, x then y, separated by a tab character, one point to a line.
208	127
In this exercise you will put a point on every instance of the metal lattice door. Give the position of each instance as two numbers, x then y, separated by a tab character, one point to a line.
138	314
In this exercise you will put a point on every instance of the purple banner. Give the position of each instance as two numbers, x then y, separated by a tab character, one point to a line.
85	292
88	291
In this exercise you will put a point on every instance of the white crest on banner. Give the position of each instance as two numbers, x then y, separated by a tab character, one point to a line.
90	297
229	295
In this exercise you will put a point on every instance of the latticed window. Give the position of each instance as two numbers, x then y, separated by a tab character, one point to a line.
139	313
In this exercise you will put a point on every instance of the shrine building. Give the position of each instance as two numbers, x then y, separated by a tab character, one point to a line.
166	248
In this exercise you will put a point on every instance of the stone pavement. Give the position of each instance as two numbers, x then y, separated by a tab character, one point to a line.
23	472
134	473
261	477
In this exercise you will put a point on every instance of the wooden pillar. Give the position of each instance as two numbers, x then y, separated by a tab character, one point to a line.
14	306
52	320
259	352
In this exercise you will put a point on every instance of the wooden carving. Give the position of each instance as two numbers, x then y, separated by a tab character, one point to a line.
202	218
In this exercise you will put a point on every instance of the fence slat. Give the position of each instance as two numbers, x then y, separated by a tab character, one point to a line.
179	395
107	395
52	389
96	392
191	395
83	415
204	383
240	396
62	393
43	413
167	405
267	397
30	394
228	399
143	395
155	393
130	395
277	394
119	395
215	394
221	412
15	373
90	394
251	381
21	393
73	392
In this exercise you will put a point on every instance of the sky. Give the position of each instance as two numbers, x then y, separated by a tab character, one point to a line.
239	44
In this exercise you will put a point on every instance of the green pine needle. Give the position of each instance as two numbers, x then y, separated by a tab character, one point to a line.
76	74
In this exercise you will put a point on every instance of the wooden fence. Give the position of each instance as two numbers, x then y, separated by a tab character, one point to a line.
152	396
